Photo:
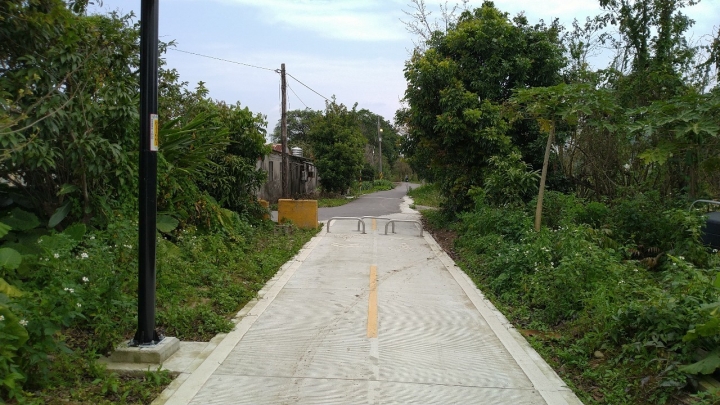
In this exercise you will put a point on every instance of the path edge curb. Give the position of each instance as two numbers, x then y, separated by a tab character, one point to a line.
544	379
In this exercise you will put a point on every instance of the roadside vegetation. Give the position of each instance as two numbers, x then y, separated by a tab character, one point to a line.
618	297
427	195
68	207
346	147
565	189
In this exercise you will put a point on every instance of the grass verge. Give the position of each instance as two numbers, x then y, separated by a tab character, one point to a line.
77	300
427	195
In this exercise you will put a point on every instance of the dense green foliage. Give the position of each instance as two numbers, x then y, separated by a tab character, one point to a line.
77	289
337	144
455	91
626	280
299	123
68	95
302	124
613	285
68	205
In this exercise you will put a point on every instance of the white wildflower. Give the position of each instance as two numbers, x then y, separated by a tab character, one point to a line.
92	237
84	255
79	305
23	322
2	318
681	257
85	279
56	255
70	290
127	246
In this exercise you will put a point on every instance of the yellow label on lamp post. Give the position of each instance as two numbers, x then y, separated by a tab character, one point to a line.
154	133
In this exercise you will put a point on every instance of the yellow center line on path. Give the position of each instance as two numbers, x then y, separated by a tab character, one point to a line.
372	323
374	224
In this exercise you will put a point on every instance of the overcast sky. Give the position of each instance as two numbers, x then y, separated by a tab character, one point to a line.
353	49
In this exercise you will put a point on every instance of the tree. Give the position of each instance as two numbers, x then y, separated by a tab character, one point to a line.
579	112
654	51
338	145
367	122
68	107
233	180
299	123
455	89
209	147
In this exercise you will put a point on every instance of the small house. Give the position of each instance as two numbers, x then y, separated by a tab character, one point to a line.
302	174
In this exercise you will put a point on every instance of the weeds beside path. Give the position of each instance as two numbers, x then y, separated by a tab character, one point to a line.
79	301
608	308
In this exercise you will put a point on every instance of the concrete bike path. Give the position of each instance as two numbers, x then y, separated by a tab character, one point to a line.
372	319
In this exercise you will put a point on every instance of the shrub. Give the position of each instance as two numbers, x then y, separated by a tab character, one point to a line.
577	275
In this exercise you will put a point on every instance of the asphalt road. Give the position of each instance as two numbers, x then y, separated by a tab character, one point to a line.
375	204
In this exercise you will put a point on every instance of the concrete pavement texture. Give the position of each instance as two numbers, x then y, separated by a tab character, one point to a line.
370	319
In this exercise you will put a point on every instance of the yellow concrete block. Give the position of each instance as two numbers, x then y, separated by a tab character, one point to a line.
303	213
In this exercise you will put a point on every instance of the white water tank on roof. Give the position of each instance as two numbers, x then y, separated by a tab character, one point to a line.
296	151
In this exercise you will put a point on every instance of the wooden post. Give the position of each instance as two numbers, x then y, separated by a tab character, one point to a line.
379	131
543	176
283	133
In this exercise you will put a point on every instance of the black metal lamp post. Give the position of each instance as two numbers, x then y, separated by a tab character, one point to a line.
146	333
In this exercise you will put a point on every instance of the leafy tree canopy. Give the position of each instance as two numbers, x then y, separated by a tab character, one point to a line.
299	123
455	88
338	145
300	126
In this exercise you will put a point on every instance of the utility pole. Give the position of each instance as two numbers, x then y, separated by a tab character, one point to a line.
283	133
146	334
380	142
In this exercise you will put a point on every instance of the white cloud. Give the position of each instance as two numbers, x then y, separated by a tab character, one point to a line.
366	20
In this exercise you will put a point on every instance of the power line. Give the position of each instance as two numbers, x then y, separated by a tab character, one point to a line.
298	97
326	99
256	67
224	60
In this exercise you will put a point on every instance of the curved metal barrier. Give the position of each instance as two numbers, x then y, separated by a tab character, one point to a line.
713	202
360	221
392	221
372	217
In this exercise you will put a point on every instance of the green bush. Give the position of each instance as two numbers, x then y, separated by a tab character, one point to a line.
593	213
586	276
383	185
76	290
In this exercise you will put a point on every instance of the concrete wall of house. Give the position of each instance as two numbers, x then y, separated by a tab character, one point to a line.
300	184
